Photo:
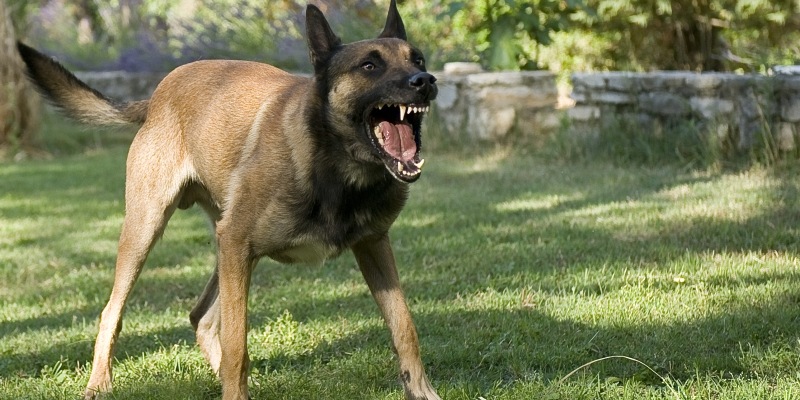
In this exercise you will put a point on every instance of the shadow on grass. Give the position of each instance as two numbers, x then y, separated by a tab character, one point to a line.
441	259
511	345
494	345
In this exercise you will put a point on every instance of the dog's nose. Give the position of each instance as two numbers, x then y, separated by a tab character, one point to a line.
421	80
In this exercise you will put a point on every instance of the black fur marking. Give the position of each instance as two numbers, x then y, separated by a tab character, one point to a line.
338	211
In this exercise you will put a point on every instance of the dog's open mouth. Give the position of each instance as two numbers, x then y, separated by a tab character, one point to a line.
395	132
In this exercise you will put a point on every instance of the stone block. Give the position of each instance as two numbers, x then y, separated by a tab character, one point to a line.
448	95
787	70
787	83
583	113
651	82
612	98
510	78
675	79
786	136
790	109
711	107
579	97
705	81
589	80
488	124
462	68
663	103
623	81
748	129
516	96
747	103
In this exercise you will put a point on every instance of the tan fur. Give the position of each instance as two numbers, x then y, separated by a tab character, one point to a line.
245	141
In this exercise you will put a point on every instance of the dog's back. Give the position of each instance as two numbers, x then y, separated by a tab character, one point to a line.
219	111
206	115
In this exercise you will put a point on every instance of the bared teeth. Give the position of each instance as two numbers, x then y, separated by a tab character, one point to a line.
405	109
400	168
378	134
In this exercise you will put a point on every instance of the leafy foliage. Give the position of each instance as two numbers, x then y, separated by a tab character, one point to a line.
750	35
693	34
510	30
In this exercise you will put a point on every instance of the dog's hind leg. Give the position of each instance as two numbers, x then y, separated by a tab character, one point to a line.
151	195
205	314
377	264
205	320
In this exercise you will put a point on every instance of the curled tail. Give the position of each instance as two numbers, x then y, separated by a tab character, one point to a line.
76	98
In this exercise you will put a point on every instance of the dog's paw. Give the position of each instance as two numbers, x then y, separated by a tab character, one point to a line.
94	394
422	391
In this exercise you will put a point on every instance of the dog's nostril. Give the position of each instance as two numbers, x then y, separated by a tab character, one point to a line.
421	79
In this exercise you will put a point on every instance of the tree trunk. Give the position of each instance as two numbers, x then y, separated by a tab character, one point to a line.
19	105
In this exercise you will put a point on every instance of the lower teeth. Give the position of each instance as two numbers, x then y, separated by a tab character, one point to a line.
378	135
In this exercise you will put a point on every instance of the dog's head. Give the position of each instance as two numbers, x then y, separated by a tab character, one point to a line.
375	92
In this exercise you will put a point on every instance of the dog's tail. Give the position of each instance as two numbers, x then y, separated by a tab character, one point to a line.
76	98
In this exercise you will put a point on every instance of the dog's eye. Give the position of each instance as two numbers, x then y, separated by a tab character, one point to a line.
368	66
419	61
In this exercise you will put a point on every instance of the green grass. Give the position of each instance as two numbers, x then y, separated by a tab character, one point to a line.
518	269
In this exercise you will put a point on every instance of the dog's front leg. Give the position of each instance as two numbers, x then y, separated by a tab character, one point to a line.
235	266
377	264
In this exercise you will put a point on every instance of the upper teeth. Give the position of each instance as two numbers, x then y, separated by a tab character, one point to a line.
405	109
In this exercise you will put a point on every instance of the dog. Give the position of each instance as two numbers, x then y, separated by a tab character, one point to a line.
297	169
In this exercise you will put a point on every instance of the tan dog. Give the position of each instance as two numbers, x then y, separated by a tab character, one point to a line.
292	168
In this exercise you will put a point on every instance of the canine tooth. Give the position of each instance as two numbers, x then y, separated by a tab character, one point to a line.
399	166
402	111
420	163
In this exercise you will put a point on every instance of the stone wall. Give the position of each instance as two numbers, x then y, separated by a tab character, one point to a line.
734	106
493	105
470	105
487	106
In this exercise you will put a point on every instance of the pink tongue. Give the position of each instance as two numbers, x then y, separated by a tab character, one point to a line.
398	140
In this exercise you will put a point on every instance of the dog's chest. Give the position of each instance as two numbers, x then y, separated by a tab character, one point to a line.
297	235
312	252
327	220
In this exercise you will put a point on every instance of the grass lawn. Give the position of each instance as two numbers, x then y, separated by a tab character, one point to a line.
518	270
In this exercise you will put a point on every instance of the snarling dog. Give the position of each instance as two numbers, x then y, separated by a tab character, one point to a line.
297	169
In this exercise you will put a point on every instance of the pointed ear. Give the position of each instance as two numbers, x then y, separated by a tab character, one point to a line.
321	39
394	27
